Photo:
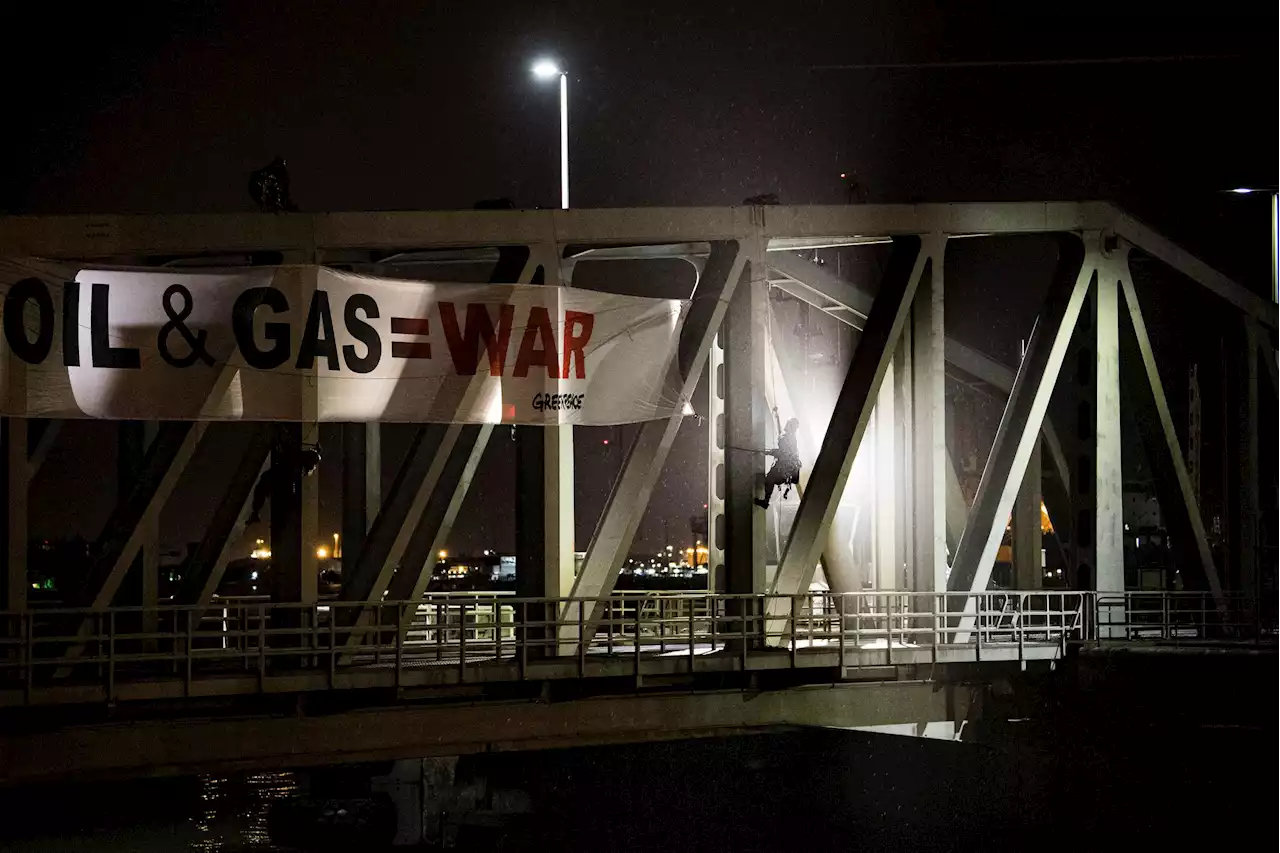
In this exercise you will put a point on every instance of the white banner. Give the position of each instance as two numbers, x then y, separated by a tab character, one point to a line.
299	343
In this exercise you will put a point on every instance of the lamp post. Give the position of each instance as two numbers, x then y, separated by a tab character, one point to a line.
1275	209
545	69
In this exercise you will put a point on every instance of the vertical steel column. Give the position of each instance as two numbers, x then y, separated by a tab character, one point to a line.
538	571
904	507
17	479
558	508
361	486
886	469
1108	518
286	514
16	476
1250	464
929	463
715	463
1028	572
746	347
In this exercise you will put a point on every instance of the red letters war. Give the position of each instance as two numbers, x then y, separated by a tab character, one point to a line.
474	334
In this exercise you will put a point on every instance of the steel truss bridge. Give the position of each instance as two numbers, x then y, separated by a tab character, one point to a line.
908	617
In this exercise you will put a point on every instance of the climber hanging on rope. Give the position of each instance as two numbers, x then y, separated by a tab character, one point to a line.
786	467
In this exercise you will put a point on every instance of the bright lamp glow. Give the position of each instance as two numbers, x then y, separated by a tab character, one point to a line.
1242	190
545	69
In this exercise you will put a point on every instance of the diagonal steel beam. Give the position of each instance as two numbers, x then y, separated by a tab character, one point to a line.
204	568
848	303
41	445
1178	496
167	457
1267	355
995	374
648	453
811	283
403	506
1023	416
433	529
851	415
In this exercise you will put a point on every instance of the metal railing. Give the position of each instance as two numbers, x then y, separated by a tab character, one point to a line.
1181	617
245	646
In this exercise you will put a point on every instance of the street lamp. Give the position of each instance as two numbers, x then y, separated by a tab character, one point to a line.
545	69
1275	230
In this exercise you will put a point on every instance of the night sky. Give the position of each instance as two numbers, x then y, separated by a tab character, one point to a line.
430	106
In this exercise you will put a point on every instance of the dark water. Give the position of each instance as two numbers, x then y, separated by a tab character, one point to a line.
1024	786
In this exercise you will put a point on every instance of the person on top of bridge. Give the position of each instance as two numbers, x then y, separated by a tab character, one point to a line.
786	469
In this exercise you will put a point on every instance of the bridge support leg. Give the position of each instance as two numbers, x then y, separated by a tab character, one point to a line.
1108	524
1020	427
929	465
851	417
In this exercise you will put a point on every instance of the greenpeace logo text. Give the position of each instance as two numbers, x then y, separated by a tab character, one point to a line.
558	402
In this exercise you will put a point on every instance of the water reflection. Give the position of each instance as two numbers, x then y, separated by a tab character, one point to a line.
234	811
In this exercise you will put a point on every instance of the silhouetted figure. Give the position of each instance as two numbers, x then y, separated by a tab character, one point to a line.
786	468
855	191
308	461
495	204
269	187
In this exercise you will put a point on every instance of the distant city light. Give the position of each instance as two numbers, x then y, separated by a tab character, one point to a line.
443	554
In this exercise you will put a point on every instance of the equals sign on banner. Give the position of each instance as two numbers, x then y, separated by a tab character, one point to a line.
417	326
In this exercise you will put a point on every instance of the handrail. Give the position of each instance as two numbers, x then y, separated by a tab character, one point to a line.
197	648
513	637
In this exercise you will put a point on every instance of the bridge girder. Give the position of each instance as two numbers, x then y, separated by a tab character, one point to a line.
557	240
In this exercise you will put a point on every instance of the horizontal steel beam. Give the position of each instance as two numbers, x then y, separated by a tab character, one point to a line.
83	236
126	238
260	742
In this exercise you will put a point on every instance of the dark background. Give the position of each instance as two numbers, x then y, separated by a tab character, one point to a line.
126	108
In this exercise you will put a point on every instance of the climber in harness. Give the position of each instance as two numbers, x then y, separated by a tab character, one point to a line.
308	460
785	470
